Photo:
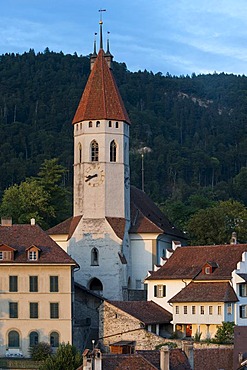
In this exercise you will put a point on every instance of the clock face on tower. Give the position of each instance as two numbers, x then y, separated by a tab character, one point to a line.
94	175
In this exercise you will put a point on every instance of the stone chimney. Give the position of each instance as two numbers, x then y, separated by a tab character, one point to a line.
164	358
6	221
233	239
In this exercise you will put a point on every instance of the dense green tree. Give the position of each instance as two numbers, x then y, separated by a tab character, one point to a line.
67	357
215	224
50	177
195	126
25	201
225	333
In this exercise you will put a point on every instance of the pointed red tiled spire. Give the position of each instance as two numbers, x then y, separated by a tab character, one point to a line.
101	98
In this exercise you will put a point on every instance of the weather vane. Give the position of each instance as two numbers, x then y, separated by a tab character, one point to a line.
101	10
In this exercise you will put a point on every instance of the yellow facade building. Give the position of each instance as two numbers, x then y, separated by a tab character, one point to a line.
36	279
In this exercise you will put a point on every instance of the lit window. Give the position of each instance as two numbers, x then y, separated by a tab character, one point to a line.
210	310
193	310
202	310
113	151
94	151
219	310
159	291
185	310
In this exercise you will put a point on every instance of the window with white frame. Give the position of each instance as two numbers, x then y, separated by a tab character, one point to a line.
202	310
177	310
33	255
5	255
243	311
193	310
243	290
185	310
160	291
207	270
219	310
210	310
229	308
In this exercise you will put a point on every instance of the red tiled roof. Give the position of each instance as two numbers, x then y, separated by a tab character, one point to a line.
66	227
101	98
177	358
126	362
187	262
147	311
146	217
21	237
118	225
206	292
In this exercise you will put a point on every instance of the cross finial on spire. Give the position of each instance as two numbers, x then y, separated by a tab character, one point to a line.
101	24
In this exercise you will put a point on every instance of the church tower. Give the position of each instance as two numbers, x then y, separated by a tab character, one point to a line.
101	181
101	145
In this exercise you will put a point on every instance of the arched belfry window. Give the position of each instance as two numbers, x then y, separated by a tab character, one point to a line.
94	151
113	151
94	257
95	284
80	153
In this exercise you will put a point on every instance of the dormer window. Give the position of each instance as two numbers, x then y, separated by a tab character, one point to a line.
6	253
32	255
209	267
5	256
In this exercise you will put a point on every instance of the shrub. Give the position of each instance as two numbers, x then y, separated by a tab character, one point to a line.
40	351
67	357
197	337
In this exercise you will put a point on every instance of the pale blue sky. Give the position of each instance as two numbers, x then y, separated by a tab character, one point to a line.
179	36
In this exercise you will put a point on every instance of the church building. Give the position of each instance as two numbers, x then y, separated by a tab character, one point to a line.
116	233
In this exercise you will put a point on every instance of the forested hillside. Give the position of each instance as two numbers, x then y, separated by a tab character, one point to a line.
195	127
